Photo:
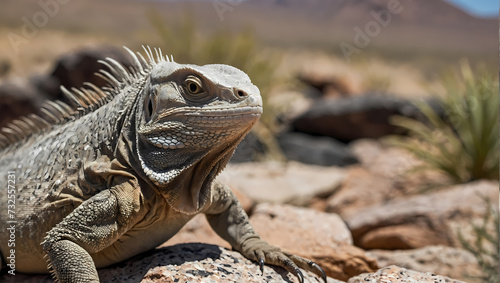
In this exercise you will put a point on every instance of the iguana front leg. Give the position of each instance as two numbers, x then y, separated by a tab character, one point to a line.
91	227
229	220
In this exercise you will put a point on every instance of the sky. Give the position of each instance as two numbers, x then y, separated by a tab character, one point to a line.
485	8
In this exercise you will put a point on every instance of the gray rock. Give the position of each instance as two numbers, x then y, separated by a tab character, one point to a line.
324	151
396	274
350	118
448	261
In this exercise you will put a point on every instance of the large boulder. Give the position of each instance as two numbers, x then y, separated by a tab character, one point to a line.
420	220
350	118
324	151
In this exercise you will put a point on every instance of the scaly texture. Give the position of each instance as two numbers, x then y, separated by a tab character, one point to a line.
123	168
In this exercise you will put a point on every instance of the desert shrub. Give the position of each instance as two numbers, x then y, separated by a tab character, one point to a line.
484	246
464	143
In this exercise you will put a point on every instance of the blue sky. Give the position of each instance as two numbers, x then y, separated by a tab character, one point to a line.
478	7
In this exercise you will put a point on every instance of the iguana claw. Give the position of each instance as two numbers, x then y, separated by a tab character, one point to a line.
299	274
323	274
261	263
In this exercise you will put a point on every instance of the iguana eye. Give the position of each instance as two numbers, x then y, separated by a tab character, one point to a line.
193	85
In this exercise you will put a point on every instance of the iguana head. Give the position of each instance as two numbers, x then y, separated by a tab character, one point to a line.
190	121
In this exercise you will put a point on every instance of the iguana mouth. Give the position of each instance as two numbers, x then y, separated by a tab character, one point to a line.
188	113
200	128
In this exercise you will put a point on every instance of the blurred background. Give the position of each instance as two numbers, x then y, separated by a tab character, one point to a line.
399	98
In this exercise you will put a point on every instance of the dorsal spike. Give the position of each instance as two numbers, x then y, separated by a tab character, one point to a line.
70	96
113	81
151	56
64	106
144	62
119	67
136	63
42	123
92	96
57	109
172	58
97	90
29	122
9	135
19	133
116	73
84	98
20	123
49	116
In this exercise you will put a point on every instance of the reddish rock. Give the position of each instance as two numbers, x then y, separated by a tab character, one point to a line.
436	216
358	184
320	236
409	236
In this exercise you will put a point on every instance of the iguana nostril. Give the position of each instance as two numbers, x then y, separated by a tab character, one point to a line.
241	94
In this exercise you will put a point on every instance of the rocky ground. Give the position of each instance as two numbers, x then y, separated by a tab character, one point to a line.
343	199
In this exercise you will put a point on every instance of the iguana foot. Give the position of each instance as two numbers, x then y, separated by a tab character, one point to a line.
260	251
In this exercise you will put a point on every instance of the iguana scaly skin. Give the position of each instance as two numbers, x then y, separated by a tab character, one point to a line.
125	167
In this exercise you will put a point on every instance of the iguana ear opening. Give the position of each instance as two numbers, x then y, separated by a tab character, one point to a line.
150	104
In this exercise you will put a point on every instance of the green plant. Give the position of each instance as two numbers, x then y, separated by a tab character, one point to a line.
464	143
485	245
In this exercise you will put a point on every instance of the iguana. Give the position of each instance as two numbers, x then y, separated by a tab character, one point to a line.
122	168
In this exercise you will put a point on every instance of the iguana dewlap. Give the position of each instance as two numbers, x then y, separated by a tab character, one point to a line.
123	168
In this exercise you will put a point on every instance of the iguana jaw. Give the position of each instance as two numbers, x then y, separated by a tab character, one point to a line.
192	128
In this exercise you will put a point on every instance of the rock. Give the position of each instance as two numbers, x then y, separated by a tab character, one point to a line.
187	263
356	117
308	149
328	85
298	228
75	68
358	184
396	274
447	261
293	182
405	236
18	98
393	164
322	237
437	216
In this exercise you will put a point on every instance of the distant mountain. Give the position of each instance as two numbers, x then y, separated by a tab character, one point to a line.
433	25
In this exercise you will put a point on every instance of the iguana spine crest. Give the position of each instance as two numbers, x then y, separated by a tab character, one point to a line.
82	100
